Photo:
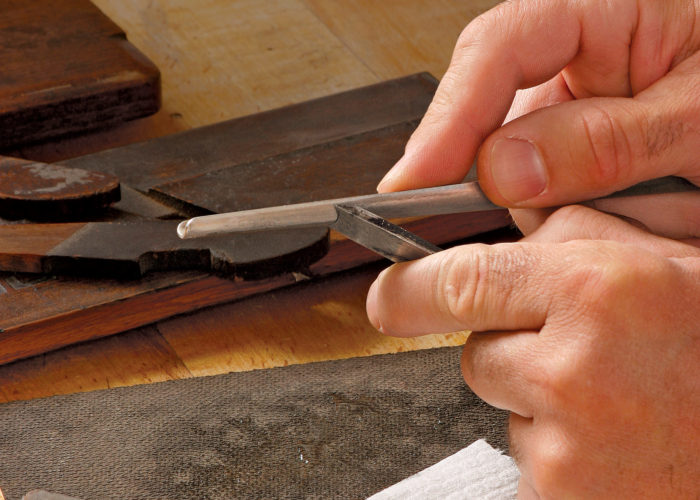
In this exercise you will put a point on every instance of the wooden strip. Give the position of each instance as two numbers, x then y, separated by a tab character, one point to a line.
113	317
66	69
23	246
45	317
345	167
180	156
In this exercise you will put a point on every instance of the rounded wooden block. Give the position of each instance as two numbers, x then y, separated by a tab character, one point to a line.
265	254
40	191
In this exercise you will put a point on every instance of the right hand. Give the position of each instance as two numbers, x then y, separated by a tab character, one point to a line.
612	101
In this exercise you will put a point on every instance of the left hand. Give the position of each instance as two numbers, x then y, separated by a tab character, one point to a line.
594	347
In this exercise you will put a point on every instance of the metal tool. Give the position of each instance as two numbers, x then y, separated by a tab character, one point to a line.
363	218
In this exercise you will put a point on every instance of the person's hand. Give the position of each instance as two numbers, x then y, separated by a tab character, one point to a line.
594	346
613	100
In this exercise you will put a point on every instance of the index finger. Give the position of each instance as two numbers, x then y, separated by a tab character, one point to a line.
506	286
516	45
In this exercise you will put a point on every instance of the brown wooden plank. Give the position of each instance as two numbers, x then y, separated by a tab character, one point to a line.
66	68
57	313
24	246
183	155
350	166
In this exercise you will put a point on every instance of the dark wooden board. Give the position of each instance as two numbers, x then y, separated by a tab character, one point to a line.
129	250
349	166
180	156
67	68
44	314
40	191
37	315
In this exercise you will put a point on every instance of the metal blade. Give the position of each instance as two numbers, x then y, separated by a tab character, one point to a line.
381	236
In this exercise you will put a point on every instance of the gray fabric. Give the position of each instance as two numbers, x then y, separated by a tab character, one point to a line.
337	429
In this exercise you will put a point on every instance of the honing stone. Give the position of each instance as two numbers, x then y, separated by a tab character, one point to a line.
39	191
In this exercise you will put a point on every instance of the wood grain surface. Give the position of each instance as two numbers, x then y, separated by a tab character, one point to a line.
220	60
350	165
67	68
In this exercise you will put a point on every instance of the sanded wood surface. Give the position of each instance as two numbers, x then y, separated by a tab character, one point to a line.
67	68
215	66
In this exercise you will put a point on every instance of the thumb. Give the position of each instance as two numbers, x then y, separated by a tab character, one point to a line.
588	148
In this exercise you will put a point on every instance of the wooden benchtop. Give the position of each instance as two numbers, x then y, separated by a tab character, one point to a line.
219	60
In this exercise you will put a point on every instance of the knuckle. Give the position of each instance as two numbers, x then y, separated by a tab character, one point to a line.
597	266
499	19
559	378
608	279
612	144
473	284
464	282
603	272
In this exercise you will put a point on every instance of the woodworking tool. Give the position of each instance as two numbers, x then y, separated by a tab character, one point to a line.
363	218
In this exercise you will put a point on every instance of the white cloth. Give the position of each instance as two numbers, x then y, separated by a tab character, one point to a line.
476	472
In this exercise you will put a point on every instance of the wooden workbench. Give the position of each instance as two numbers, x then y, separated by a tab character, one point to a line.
224	59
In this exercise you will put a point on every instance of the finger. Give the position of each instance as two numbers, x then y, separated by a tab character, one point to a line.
577	222
516	45
671	215
475	287
529	219
554	91
520	436
526	491
499	368
589	148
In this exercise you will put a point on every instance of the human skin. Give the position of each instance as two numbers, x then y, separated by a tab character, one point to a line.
589	336
589	326
611	100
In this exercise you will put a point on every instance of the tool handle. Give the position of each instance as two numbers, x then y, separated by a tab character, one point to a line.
662	185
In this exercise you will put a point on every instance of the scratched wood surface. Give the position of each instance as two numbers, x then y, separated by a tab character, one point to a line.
221	59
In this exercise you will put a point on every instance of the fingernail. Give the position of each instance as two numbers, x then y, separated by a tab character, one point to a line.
371	307
517	169
389	178
386	181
